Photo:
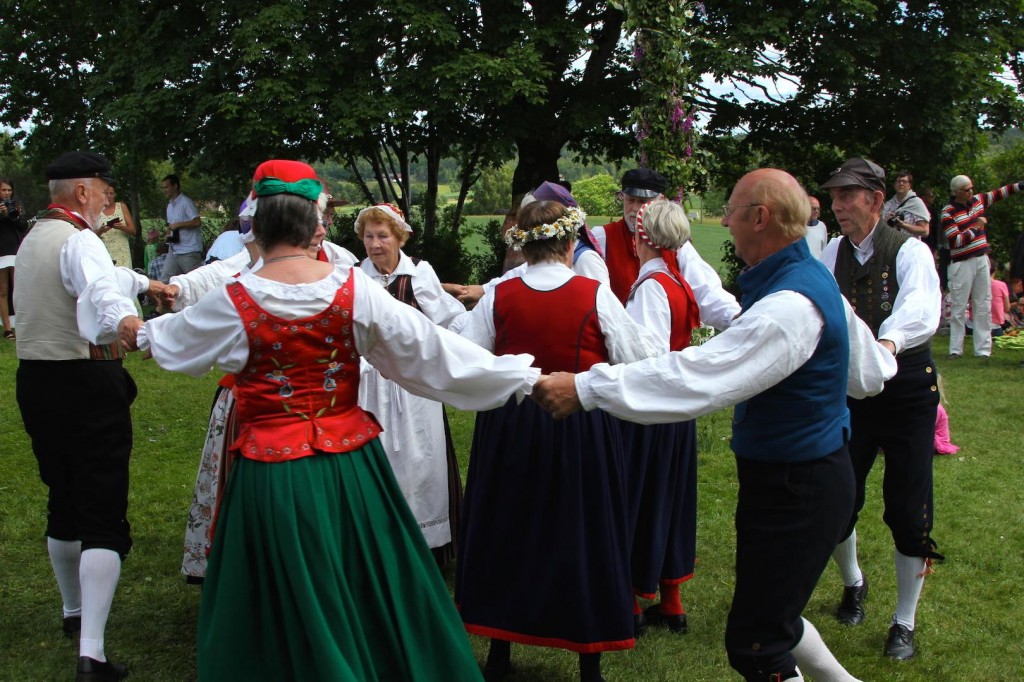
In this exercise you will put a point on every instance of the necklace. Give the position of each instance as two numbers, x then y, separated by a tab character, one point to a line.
274	260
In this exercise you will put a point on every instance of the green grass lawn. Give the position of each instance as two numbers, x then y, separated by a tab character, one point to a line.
970	621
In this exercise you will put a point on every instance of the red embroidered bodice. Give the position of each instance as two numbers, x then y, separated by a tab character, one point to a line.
558	327
297	394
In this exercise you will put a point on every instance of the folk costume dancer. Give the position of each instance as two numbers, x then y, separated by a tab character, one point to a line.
544	521
416	437
786	363
663	457
72	303
318	570
889	277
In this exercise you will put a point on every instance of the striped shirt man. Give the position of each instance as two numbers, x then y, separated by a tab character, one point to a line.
963	219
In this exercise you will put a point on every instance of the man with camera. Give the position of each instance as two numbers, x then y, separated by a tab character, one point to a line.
905	210
184	231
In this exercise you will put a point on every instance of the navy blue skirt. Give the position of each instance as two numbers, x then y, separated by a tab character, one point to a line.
544	536
662	503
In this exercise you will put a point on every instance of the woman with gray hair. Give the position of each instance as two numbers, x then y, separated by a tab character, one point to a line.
416	433
662	480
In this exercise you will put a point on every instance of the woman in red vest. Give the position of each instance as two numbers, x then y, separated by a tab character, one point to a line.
544	542
318	570
663	465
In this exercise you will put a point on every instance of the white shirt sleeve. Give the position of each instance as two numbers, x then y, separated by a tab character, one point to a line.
625	340
649	307
717	306
918	305
439	306
204	279
871	364
763	346
517	271
105	293
591	265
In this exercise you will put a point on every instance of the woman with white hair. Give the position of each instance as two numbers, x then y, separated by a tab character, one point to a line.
416	433
662	482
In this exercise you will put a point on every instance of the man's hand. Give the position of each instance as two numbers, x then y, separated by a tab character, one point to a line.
165	296
556	393
888	345
468	294
128	332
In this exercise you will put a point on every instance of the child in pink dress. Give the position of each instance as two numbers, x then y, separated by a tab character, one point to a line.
942	444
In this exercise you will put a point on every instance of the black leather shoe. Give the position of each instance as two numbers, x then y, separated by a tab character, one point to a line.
495	671
851	608
72	626
91	670
899	644
639	625
676	623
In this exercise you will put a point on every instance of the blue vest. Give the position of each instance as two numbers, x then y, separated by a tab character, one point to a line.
804	416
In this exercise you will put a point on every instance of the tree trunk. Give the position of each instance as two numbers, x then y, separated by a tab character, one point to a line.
538	162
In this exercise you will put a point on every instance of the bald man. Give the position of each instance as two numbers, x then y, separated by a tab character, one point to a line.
787	363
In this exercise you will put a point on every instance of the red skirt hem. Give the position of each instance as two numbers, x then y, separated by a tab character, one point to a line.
553	642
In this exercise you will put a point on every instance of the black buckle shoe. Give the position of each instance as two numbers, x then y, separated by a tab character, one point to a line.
676	623
91	670
899	643
851	607
72	626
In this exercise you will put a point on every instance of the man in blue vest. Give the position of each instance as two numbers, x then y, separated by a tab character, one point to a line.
787	363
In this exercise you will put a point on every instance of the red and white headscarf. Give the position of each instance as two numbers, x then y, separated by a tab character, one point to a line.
667	254
390	210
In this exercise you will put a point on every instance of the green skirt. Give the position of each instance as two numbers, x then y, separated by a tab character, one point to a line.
318	571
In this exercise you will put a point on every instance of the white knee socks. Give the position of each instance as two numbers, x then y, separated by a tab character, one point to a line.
99	572
845	555
910	572
64	557
815	658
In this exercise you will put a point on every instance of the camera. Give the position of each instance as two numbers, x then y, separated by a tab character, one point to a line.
12	210
894	219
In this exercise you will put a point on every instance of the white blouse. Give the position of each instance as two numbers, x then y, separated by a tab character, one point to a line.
403	344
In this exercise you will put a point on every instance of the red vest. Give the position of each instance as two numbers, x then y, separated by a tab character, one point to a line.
620	256
559	327
682	304
297	394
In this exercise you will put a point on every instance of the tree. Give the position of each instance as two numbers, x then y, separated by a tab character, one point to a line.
908	84
596	195
491	192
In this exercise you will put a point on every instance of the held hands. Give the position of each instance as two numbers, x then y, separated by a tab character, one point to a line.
468	294
128	332
165	295
556	393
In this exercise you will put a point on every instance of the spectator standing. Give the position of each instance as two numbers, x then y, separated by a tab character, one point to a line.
116	226
184	230
905	210
12	231
963	224
889	279
817	231
63	270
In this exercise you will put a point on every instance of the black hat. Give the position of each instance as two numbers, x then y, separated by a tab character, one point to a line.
80	165
857	172
643	183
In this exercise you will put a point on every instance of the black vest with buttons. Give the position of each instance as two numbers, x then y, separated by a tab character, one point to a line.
871	288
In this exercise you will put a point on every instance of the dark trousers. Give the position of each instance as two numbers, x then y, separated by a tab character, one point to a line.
789	517
76	413
901	422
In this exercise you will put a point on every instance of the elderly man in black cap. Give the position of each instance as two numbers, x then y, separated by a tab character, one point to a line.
890	280
640	186
72	306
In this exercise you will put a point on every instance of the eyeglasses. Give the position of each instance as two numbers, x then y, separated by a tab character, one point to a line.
727	209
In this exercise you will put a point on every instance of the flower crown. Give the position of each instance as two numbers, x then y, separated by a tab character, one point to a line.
567	225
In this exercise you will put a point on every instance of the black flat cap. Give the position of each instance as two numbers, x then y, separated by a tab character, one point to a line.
80	165
857	172
643	183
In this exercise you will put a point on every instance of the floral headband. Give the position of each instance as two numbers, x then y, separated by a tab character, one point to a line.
567	225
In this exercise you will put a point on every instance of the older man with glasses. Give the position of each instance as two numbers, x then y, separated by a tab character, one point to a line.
963	224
